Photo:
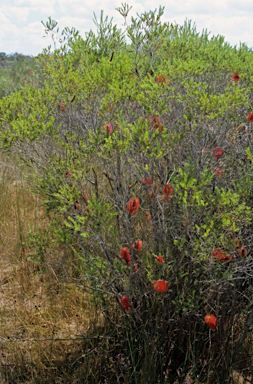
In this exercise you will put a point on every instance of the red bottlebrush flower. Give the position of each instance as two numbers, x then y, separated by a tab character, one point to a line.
107	128
217	254
137	245
133	205
125	303
62	107
162	79
218	172
235	77
167	190
217	152
156	123
211	321
160	286
159	259
250	117
149	181
125	255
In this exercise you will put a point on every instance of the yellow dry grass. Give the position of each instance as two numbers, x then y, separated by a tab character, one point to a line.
34	303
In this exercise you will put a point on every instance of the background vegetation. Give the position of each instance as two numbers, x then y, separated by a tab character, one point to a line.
16	71
126	160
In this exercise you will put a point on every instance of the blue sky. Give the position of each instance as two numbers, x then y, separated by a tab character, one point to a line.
21	29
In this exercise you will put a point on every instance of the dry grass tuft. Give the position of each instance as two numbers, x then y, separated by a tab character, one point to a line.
35	302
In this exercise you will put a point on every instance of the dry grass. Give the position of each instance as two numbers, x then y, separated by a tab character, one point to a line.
35	303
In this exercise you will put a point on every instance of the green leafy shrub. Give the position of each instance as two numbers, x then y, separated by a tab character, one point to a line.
148	141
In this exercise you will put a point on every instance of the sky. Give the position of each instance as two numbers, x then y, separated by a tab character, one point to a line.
21	29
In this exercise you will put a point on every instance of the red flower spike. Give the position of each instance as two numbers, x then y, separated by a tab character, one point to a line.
125	255
217	254
250	117
235	77
149	181
156	123
218	172
133	205
62	107
137	245
159	259
162	79
211	321
107	127
217	152
125	303
167	190
160	286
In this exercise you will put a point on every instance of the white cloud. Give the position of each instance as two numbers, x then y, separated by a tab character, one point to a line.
36	5
24	40
45	6
3	18
16	13
22	31
233	28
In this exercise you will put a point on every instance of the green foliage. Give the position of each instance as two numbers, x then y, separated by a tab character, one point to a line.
16	71
40	242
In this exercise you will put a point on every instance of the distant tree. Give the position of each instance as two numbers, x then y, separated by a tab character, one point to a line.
3	56
16	57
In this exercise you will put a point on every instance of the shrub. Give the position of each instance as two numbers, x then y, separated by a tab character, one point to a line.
95	183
